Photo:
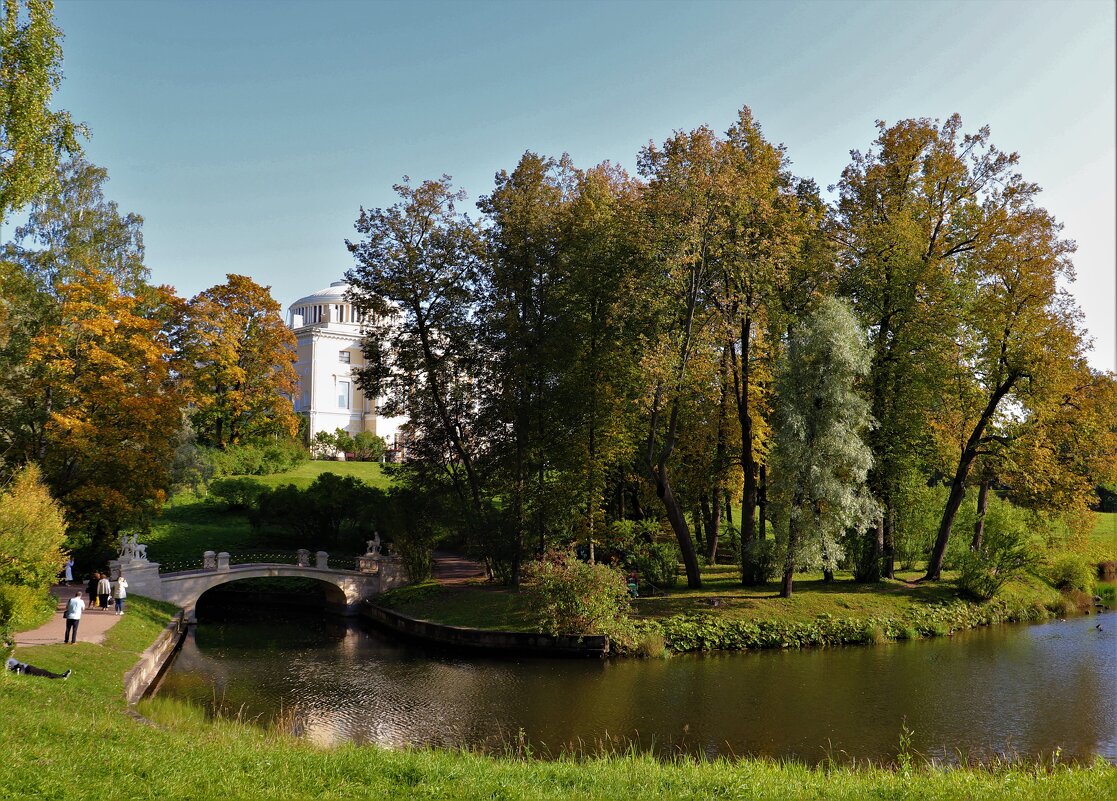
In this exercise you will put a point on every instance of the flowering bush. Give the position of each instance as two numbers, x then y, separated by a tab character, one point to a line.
568	596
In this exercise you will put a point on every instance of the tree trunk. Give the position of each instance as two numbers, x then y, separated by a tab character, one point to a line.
696	516
762	503
678	524
888	544
787	585
714	529
958	485
982	507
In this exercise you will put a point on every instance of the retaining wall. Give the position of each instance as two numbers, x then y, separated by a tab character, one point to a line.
155	657
520	642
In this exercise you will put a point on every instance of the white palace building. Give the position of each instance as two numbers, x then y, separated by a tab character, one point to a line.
328	331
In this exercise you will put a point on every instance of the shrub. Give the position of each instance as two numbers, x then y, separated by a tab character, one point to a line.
237	493
568	596
368	447
1071	571
1004	555
764	560
22	608
257	460
657	562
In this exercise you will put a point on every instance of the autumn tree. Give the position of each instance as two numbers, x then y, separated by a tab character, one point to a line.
32	532
820	460
239	361
115	405
32	136
911	212
681	223
1019	343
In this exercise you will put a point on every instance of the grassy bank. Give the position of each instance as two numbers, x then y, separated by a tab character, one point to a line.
72	740
725	615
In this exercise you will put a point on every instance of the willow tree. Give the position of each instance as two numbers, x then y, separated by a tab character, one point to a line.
820	460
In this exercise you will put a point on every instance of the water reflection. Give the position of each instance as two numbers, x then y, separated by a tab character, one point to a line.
1026	690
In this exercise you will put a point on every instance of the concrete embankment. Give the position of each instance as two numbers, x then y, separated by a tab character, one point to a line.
517	642
154	660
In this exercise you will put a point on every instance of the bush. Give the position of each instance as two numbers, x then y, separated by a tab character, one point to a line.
568	596
23	608
657	562
368	447
237	493
1005	554
1071	572
764	560
257	460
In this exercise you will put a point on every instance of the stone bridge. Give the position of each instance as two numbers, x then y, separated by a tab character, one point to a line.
345	589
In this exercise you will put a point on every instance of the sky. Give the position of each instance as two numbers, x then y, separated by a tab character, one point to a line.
249	134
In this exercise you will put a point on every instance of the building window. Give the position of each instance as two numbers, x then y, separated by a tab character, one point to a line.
343	394
343	356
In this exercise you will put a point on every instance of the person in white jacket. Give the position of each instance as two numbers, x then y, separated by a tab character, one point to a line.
119	593
72	615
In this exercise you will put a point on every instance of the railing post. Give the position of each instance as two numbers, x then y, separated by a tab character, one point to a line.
223	560
320	560
303	557
209	561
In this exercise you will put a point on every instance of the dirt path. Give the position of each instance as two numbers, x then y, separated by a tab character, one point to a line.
453	568
94	622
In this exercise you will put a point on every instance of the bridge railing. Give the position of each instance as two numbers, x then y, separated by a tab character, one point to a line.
341	561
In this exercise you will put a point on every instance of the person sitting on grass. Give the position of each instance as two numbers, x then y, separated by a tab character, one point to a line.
16	666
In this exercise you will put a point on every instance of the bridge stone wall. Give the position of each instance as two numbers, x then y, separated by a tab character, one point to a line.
348	587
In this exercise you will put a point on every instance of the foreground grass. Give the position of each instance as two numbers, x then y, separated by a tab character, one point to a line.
72	740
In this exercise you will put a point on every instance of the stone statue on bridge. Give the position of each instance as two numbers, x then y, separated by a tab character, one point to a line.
374	545
131	549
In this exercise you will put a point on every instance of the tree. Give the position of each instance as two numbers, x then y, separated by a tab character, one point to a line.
115	410
820	460
417	285
679	277
910	213
32	531
239	359
32	137
1019	343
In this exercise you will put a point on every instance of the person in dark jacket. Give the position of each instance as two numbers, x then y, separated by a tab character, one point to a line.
16	666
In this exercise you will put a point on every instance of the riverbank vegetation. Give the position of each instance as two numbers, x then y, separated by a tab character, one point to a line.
187	756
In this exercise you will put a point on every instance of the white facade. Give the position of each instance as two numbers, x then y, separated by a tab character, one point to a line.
328	331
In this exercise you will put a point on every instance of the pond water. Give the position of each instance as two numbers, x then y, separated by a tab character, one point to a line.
1027	691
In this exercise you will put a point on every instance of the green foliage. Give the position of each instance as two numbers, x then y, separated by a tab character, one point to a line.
764	558
368	447
1070	571
23	608
334	512
568	596
1005	554
256	459
238	494
711	632
657	562
32	136
32	531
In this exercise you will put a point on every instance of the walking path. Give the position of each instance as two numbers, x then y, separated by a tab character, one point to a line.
453	568
94	622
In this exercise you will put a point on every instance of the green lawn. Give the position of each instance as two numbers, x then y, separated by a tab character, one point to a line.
1102	545
72	740
190	526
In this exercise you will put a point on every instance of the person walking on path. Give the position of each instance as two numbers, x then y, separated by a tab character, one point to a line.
69	570
119	593
16	666
91	588
72	615
104	589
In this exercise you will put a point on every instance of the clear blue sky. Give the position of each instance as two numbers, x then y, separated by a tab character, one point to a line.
248	134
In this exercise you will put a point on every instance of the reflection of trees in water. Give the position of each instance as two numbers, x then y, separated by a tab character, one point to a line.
982	693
